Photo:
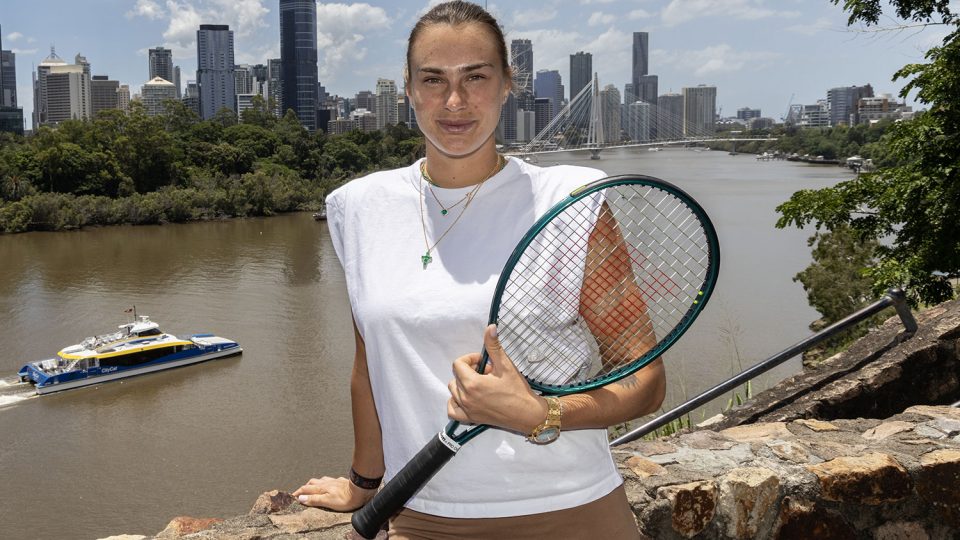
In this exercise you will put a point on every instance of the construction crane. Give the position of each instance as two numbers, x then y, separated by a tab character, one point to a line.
789	104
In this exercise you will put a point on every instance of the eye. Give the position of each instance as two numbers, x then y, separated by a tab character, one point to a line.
432	81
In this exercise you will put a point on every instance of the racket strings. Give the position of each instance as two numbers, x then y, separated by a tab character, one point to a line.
601	283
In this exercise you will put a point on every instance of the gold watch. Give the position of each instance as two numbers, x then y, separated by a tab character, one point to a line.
549	430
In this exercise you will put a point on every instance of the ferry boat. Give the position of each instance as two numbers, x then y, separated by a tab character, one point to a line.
138	347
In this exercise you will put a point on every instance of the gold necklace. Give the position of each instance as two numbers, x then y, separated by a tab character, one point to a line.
444	209
426	258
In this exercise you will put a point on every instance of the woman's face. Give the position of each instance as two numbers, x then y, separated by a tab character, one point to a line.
457	87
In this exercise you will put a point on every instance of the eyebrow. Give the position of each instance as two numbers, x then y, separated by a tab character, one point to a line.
462	69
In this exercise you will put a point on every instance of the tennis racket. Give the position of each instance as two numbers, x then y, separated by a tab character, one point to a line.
600	286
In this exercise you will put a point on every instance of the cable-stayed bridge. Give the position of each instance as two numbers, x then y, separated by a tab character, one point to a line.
595	120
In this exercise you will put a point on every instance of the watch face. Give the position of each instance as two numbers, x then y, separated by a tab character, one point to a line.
547	434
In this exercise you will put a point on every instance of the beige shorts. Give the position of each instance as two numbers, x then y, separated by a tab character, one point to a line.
608	517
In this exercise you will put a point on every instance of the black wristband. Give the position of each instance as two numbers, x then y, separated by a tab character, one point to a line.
363	482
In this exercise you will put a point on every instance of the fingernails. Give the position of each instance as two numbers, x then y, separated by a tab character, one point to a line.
494	332
302	498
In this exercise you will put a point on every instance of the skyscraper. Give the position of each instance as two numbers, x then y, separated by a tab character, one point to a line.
215	69
298	56
610	109
843	103
699	110
275	85
386	103
155	94
103	94
581	72
641	56
669	124
40	111
161	64
548	85
11	116
68	93
521	58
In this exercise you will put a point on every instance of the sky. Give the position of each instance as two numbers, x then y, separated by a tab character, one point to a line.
761	54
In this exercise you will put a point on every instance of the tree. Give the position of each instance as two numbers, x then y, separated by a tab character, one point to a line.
911	207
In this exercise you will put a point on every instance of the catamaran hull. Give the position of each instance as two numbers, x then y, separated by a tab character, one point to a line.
50	387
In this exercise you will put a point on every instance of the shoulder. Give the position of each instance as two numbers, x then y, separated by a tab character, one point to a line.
372	184
562	177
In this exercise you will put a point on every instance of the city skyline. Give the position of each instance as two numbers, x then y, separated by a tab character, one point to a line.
757	53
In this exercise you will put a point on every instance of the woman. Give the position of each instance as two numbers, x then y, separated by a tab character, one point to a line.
422	248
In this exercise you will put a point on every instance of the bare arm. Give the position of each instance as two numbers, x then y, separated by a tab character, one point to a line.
340	493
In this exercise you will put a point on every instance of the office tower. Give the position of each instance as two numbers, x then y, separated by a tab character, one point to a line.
526	123
123	97
548	85
155	94
641	56
81	61
161	64
610	111
215	69
8	79
275	85
40	111
669	115
191	97
581	72
647	89
638	120
542	108
298	55
507	127
176	80
365	99
521	58
842	102
386	107
68	93
243	79
629	94
746	113
699	110
103	94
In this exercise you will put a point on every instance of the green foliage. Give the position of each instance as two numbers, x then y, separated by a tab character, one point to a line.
911	205
835	283
130	167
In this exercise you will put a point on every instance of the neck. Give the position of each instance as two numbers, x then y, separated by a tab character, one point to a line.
456	172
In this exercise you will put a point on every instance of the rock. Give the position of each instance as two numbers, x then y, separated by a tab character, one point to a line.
758	432
644	468
272	502
746	496
183	525
901	530
804	520
871	479
693	506
125	537
311	519
817	425
790	451
887	429
939	483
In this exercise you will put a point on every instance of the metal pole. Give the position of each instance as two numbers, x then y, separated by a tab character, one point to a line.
894	297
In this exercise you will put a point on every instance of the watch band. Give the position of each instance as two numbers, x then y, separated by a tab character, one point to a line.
549	430
363	482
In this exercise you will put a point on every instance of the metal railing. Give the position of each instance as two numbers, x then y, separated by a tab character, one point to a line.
894	297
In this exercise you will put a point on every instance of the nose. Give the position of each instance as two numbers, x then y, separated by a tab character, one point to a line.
455	99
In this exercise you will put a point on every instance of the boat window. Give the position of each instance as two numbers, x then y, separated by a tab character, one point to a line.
139	357
150	332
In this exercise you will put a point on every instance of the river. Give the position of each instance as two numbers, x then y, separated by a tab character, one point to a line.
205	440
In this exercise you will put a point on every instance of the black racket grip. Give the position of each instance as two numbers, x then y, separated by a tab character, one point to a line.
402	487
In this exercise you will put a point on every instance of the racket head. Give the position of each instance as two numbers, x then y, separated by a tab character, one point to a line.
655	254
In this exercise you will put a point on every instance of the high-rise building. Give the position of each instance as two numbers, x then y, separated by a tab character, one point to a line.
365	99
298	55
638	120
746	113
610	110
548	85
103	94
191	97
176	80
81	61
507	128
629	93
542	108
123	97
884	106
155	94
526	123
641	56
843	101
160	62
8	79
669	116
699	110
68	94
275	85
40	108
817	115
521	59
581	72
647	88
386	99
243	79
215	69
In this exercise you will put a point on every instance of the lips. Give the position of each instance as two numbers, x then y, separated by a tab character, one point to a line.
456	126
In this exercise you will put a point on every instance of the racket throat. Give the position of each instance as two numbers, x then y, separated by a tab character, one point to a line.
448	441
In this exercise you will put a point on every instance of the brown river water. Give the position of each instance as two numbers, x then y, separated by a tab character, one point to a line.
206	440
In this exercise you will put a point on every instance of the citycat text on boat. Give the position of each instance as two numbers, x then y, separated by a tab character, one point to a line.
138	347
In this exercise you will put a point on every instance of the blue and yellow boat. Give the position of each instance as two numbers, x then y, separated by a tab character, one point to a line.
137	348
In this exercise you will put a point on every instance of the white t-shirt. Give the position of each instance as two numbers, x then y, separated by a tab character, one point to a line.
415	322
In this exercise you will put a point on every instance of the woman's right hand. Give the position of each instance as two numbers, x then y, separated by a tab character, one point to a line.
337	494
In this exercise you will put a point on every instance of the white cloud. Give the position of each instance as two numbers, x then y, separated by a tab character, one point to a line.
717	59
532	17
680	11
24	51
341	29
589	2
552	48
811	28
599	18
244	17
146	8
13	36
639	14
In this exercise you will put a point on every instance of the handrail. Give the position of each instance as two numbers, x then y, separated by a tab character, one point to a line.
894	297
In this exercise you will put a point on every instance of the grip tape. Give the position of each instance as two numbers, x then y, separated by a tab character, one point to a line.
402	487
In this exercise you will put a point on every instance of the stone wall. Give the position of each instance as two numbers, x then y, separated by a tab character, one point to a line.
863	447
